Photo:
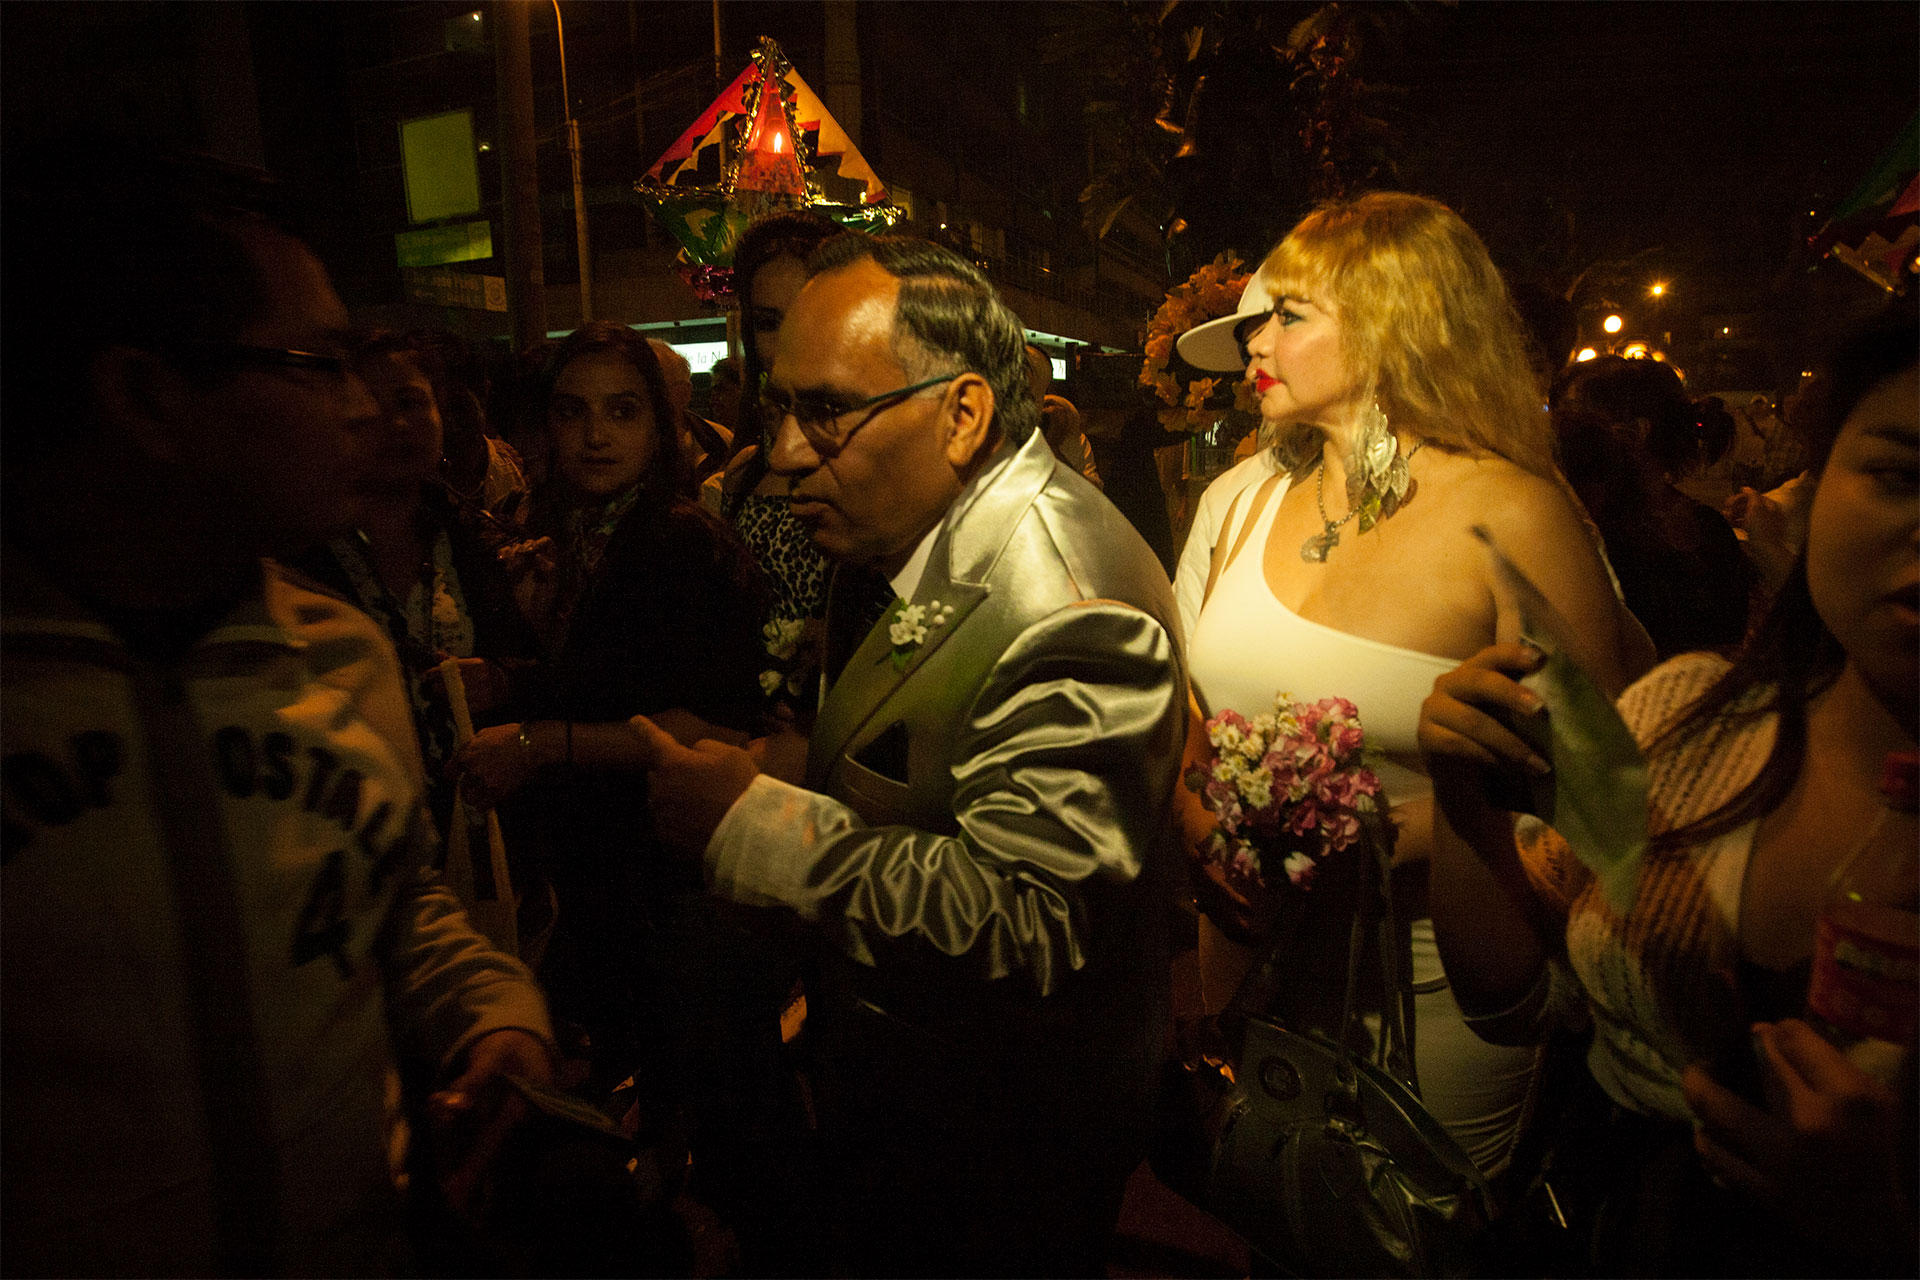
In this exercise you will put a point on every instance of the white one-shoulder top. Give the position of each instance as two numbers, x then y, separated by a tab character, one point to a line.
1247	646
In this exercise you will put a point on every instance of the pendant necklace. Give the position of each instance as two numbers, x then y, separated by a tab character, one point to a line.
1314	550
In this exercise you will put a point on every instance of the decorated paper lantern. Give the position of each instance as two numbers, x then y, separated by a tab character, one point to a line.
766	143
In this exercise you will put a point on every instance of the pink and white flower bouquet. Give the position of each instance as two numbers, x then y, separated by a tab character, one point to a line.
1290	789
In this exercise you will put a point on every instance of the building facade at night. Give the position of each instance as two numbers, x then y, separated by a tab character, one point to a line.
991	161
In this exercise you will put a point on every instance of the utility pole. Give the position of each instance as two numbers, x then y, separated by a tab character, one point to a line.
843	67
639	102
519	173
579	190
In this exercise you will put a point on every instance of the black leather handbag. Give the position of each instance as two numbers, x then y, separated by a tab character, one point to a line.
1313	1143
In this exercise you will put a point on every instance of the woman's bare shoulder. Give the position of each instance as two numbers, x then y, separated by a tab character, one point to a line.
1536	521
1490	471
1511	500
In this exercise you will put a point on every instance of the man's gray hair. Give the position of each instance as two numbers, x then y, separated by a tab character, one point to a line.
949	320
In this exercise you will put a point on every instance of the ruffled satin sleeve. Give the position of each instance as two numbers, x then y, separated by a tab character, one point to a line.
1062	775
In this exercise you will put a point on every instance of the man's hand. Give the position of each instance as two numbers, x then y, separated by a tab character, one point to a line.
485	684
781	755
492	766
1823	1154
686	728
534	558
690	788
473	1115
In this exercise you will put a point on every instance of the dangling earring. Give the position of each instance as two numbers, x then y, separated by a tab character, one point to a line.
1378	484
1378	480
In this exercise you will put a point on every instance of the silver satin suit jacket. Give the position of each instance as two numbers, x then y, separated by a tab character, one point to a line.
983	842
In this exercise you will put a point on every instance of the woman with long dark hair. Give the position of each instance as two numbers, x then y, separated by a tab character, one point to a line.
655	609
1763	774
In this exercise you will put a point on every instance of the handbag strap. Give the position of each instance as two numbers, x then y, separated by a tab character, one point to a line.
1373	916
1395	1052
1356	943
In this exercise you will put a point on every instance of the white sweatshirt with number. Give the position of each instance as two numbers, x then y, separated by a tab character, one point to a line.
218	922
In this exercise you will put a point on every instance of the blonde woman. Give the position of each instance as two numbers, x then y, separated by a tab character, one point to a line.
1390	358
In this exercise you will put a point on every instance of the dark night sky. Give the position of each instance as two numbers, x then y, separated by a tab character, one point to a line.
1566	133
1708	129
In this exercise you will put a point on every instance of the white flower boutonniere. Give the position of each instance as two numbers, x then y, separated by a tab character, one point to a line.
782	637
910	626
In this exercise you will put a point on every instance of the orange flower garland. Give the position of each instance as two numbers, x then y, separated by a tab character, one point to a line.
1212	291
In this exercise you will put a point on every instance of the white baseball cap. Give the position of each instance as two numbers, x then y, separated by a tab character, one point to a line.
1212	345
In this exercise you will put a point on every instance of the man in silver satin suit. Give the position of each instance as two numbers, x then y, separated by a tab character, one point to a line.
979	848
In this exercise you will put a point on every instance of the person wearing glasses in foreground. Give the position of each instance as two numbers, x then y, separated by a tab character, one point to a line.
220	932
977	844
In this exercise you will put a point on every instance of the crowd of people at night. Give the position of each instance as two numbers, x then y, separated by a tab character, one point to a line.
482	812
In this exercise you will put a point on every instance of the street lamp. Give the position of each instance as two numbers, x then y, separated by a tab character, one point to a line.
579	191
1613	324
1586	354
1658	289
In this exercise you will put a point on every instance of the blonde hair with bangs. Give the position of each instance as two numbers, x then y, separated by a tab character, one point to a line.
1426	322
